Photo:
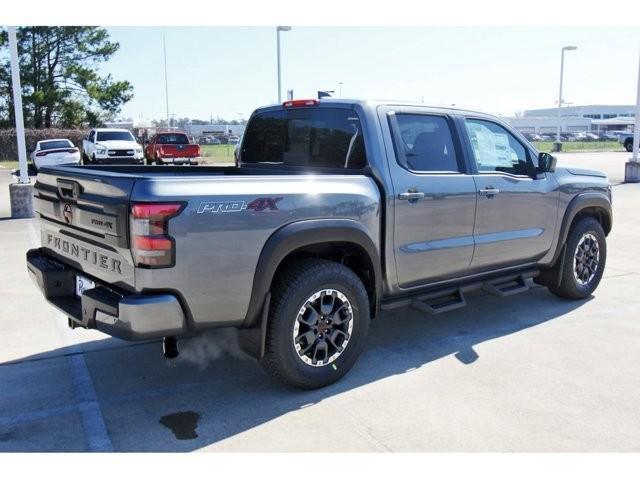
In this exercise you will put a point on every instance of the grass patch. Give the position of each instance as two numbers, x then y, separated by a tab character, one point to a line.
569	146
217	153
9	165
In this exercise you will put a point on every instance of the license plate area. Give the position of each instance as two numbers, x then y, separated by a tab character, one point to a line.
83	284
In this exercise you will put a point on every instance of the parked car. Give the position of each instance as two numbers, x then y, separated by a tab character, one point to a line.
236	150
55	152
614	134
626	139
172	148
111	146
337	210
233	140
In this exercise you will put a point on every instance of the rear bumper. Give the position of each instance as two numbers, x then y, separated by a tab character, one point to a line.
117	313
117	160
180	161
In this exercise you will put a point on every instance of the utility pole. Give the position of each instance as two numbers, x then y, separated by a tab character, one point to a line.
632	167
340	94
21	193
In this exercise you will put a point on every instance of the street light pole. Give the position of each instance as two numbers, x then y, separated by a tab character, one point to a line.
17	104
632	167
636	125
567	48
20	193
166	82
278	30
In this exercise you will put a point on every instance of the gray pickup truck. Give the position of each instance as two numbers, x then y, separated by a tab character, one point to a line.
336	210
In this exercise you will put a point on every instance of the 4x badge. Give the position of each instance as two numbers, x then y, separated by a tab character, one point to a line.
259	204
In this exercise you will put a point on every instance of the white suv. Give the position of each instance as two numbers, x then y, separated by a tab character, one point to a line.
111	145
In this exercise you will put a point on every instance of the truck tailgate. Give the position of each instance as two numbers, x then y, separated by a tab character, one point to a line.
179	151
84	216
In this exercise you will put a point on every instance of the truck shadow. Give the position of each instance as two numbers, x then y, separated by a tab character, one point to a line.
149	404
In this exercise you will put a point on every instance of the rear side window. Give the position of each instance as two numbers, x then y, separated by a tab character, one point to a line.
427	144
313	137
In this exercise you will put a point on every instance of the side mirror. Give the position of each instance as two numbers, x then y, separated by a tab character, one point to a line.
546	163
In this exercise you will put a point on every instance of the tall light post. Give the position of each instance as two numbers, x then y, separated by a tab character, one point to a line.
632	167
340	83
21	193
166	82
278	30
567	48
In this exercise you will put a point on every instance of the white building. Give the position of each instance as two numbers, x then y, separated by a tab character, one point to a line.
197	131
595	118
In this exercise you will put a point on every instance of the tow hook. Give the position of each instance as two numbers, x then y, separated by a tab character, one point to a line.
170	347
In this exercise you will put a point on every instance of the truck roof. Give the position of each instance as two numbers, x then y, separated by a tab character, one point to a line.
110	129
374	103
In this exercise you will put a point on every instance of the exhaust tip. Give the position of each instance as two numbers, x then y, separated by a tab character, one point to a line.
170	347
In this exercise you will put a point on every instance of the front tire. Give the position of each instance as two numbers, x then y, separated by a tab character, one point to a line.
584	260
318	322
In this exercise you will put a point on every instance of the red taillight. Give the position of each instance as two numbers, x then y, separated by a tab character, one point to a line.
151	244
299	103
42	153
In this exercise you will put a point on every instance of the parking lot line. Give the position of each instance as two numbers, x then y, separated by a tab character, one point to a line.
95	430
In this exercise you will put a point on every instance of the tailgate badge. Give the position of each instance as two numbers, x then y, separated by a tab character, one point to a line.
67	213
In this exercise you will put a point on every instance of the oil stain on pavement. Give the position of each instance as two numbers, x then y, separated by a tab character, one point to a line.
182	424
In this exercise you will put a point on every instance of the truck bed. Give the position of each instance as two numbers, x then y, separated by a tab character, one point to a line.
142	171
228	216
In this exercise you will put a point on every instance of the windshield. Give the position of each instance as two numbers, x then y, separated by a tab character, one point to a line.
172	139
54	144
114	135
316	137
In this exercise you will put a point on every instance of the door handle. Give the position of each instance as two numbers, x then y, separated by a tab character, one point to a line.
411	195
489	191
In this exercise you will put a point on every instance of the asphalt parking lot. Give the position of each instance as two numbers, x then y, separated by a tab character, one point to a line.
527	373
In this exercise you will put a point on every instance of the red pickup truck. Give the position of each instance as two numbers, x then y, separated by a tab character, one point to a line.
171	148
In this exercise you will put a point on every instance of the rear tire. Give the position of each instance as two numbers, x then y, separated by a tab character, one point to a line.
318	323
583	260
629	146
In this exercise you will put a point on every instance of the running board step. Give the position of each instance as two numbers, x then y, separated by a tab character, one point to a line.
440	303
507	288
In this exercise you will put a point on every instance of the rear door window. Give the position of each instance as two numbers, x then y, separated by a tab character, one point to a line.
426	143
312	137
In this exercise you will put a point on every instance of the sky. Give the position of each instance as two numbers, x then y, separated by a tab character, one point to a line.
230	71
